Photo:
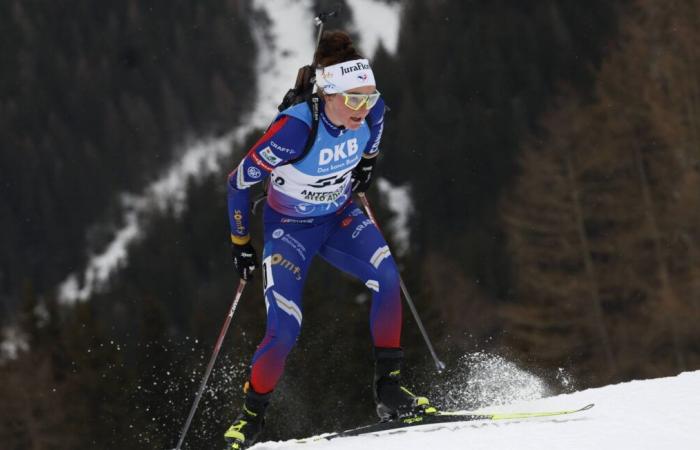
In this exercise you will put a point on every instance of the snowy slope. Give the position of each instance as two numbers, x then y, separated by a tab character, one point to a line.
652	414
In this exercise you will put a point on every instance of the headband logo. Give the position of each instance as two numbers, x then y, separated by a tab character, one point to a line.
344	76
358	66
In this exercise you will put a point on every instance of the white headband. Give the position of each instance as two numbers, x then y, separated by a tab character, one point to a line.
344	76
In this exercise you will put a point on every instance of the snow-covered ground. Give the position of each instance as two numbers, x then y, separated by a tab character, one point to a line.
284	45
640	415
12	341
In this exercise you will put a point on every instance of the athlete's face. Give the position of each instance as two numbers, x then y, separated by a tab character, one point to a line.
341	115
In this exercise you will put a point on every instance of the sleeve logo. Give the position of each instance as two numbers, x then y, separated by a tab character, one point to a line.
254	172
270	157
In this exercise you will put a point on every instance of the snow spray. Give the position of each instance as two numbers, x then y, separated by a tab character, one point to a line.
481	379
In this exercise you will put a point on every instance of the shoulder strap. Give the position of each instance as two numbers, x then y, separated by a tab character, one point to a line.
313	102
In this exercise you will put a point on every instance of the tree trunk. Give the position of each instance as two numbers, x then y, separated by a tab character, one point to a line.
668	296
598	315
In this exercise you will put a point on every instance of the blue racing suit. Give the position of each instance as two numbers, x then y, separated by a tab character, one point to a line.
309	211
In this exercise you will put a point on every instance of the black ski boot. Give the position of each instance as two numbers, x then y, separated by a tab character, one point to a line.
247	427
393	400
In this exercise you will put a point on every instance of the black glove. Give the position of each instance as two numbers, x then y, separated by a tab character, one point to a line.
362	174
245	259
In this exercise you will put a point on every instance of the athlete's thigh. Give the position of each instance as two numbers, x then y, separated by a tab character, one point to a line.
356	246
287	256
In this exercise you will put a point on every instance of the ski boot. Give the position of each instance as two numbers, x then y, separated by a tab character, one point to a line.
247	427
393	400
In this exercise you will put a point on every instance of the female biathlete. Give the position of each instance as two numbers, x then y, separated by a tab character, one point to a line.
309	211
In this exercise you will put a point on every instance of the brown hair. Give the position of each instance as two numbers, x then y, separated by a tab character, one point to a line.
335	47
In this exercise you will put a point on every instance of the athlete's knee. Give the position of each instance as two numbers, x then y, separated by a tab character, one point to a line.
388	269
287	337
385	277
288	318
279	342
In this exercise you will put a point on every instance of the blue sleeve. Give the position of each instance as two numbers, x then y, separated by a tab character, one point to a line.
376	119
283	141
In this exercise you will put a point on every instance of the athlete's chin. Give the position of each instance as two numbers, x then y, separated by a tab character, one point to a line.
353	124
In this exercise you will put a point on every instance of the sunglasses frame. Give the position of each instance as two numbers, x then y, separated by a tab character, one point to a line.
365	101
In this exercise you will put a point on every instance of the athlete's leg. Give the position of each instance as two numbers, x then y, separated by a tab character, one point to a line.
286	258
358	248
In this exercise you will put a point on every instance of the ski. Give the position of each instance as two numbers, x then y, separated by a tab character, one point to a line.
442	417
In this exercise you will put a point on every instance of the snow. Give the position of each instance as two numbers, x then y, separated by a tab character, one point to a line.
288	46
374	22
101	266
168	191
638	415
398	200
13	342
285	44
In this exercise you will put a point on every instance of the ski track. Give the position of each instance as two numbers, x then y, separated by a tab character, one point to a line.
638	415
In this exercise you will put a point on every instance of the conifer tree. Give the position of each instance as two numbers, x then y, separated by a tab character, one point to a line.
630	186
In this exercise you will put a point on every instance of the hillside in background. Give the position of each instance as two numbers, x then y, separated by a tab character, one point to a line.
96	100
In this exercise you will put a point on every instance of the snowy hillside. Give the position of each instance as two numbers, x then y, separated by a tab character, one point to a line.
652	414
283	46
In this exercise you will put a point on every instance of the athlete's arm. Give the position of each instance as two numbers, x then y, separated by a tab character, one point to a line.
282	142
375	119
362	174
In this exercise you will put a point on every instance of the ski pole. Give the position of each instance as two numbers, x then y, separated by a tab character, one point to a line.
214	355
439	365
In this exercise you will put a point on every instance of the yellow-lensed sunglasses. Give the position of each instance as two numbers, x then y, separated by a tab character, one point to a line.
356	101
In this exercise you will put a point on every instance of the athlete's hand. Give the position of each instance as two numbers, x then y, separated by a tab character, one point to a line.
245	259
362	174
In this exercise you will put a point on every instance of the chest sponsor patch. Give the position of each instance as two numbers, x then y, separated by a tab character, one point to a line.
338	153
322	197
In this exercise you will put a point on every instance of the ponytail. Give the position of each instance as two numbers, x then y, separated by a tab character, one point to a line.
335	47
